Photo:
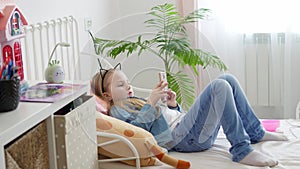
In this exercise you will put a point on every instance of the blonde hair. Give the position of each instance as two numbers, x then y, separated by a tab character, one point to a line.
96	83
131	104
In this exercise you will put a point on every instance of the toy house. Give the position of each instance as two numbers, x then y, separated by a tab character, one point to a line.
11	31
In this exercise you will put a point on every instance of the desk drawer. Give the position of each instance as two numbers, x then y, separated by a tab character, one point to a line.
75	135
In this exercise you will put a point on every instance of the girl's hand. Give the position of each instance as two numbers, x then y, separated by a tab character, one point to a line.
171	101
157	93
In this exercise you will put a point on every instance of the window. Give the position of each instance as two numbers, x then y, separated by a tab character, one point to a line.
255	16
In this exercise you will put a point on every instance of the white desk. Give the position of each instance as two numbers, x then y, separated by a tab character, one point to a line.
26	116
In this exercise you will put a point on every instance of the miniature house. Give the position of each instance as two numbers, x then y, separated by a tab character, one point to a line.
11	31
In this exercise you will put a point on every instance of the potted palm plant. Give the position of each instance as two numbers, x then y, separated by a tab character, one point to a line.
171	44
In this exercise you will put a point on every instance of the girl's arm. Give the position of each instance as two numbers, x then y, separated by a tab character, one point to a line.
147	115
143	118
177	107
171	101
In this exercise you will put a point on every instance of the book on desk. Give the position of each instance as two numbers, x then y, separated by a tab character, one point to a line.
49	92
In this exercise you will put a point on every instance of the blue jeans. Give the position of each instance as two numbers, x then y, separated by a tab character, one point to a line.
222	103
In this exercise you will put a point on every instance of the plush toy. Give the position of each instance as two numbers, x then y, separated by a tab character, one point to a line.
54	73
144	142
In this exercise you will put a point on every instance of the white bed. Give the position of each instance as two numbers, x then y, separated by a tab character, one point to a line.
218	157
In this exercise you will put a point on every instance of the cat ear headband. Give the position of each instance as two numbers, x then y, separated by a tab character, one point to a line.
103	72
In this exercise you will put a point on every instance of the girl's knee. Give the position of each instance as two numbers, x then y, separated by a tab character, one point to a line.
228	77
220	85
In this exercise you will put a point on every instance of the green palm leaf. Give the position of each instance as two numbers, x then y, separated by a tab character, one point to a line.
171	44
184	88
196	15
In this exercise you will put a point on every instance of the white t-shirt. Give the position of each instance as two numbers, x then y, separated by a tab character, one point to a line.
173	117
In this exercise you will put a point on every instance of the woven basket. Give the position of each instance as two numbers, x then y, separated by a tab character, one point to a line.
9	94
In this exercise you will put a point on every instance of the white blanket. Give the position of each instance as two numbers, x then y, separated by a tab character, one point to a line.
218	157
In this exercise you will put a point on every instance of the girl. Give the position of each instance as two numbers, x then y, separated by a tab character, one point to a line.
222	103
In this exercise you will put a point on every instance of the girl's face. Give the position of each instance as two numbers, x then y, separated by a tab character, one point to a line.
119	87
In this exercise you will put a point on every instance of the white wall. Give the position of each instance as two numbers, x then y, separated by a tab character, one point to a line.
100	11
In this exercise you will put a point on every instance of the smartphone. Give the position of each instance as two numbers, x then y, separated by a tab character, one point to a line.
163	77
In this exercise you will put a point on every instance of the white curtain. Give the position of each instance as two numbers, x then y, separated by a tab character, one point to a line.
259	41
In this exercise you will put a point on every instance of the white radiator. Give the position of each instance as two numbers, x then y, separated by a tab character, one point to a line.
264	80
39	42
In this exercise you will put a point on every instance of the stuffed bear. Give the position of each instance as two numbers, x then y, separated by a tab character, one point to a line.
143	141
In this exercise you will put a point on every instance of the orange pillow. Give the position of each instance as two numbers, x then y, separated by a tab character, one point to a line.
143	141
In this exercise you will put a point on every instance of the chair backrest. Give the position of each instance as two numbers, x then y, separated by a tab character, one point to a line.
40	41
